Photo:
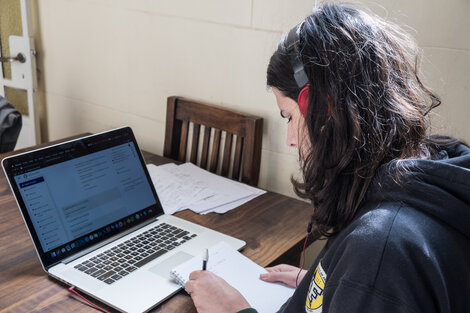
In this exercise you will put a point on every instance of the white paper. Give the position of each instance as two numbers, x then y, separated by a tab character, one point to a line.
224	208
241	273
188	186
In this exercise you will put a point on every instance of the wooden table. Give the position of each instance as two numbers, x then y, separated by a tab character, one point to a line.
273	226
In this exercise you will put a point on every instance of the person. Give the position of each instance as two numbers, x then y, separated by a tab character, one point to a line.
393	201
10	125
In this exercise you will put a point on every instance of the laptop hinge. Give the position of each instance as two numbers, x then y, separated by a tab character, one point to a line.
107	241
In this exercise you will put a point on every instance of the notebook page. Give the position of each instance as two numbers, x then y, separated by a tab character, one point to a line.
242	274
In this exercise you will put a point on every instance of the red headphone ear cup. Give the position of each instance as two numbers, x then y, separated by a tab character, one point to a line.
302	100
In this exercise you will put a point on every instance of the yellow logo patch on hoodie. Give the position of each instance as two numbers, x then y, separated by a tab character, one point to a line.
314	299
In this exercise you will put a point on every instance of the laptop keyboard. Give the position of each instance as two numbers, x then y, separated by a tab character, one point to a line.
119	261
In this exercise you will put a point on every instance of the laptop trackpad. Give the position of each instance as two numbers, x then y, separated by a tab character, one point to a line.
163	268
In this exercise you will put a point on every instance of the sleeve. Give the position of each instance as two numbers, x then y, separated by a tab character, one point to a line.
249	310
349	296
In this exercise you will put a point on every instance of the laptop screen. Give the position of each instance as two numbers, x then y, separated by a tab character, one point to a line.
78	193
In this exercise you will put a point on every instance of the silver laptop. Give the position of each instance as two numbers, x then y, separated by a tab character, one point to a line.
97	223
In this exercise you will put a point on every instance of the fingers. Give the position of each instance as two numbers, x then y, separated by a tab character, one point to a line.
282	277
282	268
285	274
188	287
195	275
195	279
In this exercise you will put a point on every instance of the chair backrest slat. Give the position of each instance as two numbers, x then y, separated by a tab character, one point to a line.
215	151
238	158
205	147
227	155
195	143
183	141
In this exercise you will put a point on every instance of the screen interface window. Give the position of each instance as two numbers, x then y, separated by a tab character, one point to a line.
70	199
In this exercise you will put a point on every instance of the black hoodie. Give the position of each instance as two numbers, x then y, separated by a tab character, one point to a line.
408	249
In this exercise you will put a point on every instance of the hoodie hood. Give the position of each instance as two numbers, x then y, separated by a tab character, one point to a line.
440	188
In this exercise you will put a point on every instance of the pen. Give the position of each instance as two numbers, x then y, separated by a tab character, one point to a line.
205	259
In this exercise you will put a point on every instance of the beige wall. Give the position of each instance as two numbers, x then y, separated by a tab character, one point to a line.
108	63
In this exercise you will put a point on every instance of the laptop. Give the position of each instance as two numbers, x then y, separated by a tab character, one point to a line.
97	223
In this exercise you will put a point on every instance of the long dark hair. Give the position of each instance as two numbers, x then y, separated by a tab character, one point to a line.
367	106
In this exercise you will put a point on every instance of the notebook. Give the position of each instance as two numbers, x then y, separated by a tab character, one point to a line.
97	223
241	273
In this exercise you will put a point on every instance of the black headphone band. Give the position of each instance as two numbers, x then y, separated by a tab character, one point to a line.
292	47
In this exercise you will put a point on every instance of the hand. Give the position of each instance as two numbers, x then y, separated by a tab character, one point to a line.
283	273
212	294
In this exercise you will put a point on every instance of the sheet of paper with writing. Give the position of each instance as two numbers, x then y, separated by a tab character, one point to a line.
187	186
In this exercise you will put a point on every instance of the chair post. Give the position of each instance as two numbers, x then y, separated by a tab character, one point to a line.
172	131
252	152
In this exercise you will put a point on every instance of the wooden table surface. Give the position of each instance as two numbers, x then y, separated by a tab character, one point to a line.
273	226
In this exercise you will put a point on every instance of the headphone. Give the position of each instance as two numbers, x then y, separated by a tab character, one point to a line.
292	47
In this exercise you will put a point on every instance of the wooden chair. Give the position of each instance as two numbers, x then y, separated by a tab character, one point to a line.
241	165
